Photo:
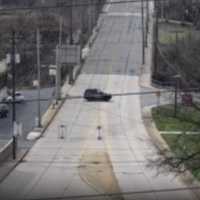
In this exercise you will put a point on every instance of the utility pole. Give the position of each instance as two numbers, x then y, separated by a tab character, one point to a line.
162	9
155	41
175	98
177	78
90	16
82	26
143	36
58	66
60	31
99	6
147	22
94	12
96	8
14	149
71	23
38	76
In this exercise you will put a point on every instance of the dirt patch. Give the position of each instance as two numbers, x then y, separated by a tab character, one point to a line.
98	173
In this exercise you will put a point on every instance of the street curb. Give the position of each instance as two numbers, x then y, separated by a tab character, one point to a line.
88	45
152	129
180	132
187	178
95	32
55	111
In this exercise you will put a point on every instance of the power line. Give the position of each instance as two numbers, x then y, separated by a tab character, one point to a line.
113	94
78	5
67	5
120	193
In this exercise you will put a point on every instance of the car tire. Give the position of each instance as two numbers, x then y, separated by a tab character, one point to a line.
106	99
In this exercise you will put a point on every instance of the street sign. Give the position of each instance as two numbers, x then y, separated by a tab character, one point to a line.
17	58
17	129
35	83
68	54
187	99
8	58
52	72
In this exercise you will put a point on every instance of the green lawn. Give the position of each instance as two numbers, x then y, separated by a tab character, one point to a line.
167	32
188	119
182	145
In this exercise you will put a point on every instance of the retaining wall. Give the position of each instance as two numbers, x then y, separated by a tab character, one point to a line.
6	151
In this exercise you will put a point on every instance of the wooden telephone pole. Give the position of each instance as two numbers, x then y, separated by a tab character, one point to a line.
14	137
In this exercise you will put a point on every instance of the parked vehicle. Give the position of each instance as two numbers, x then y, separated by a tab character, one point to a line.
19	98
96	95
4	109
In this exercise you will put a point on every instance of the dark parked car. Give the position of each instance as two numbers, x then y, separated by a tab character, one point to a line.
3	110
96	95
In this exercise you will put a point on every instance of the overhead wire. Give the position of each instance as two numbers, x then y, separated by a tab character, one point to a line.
69	5
164	190
68	97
